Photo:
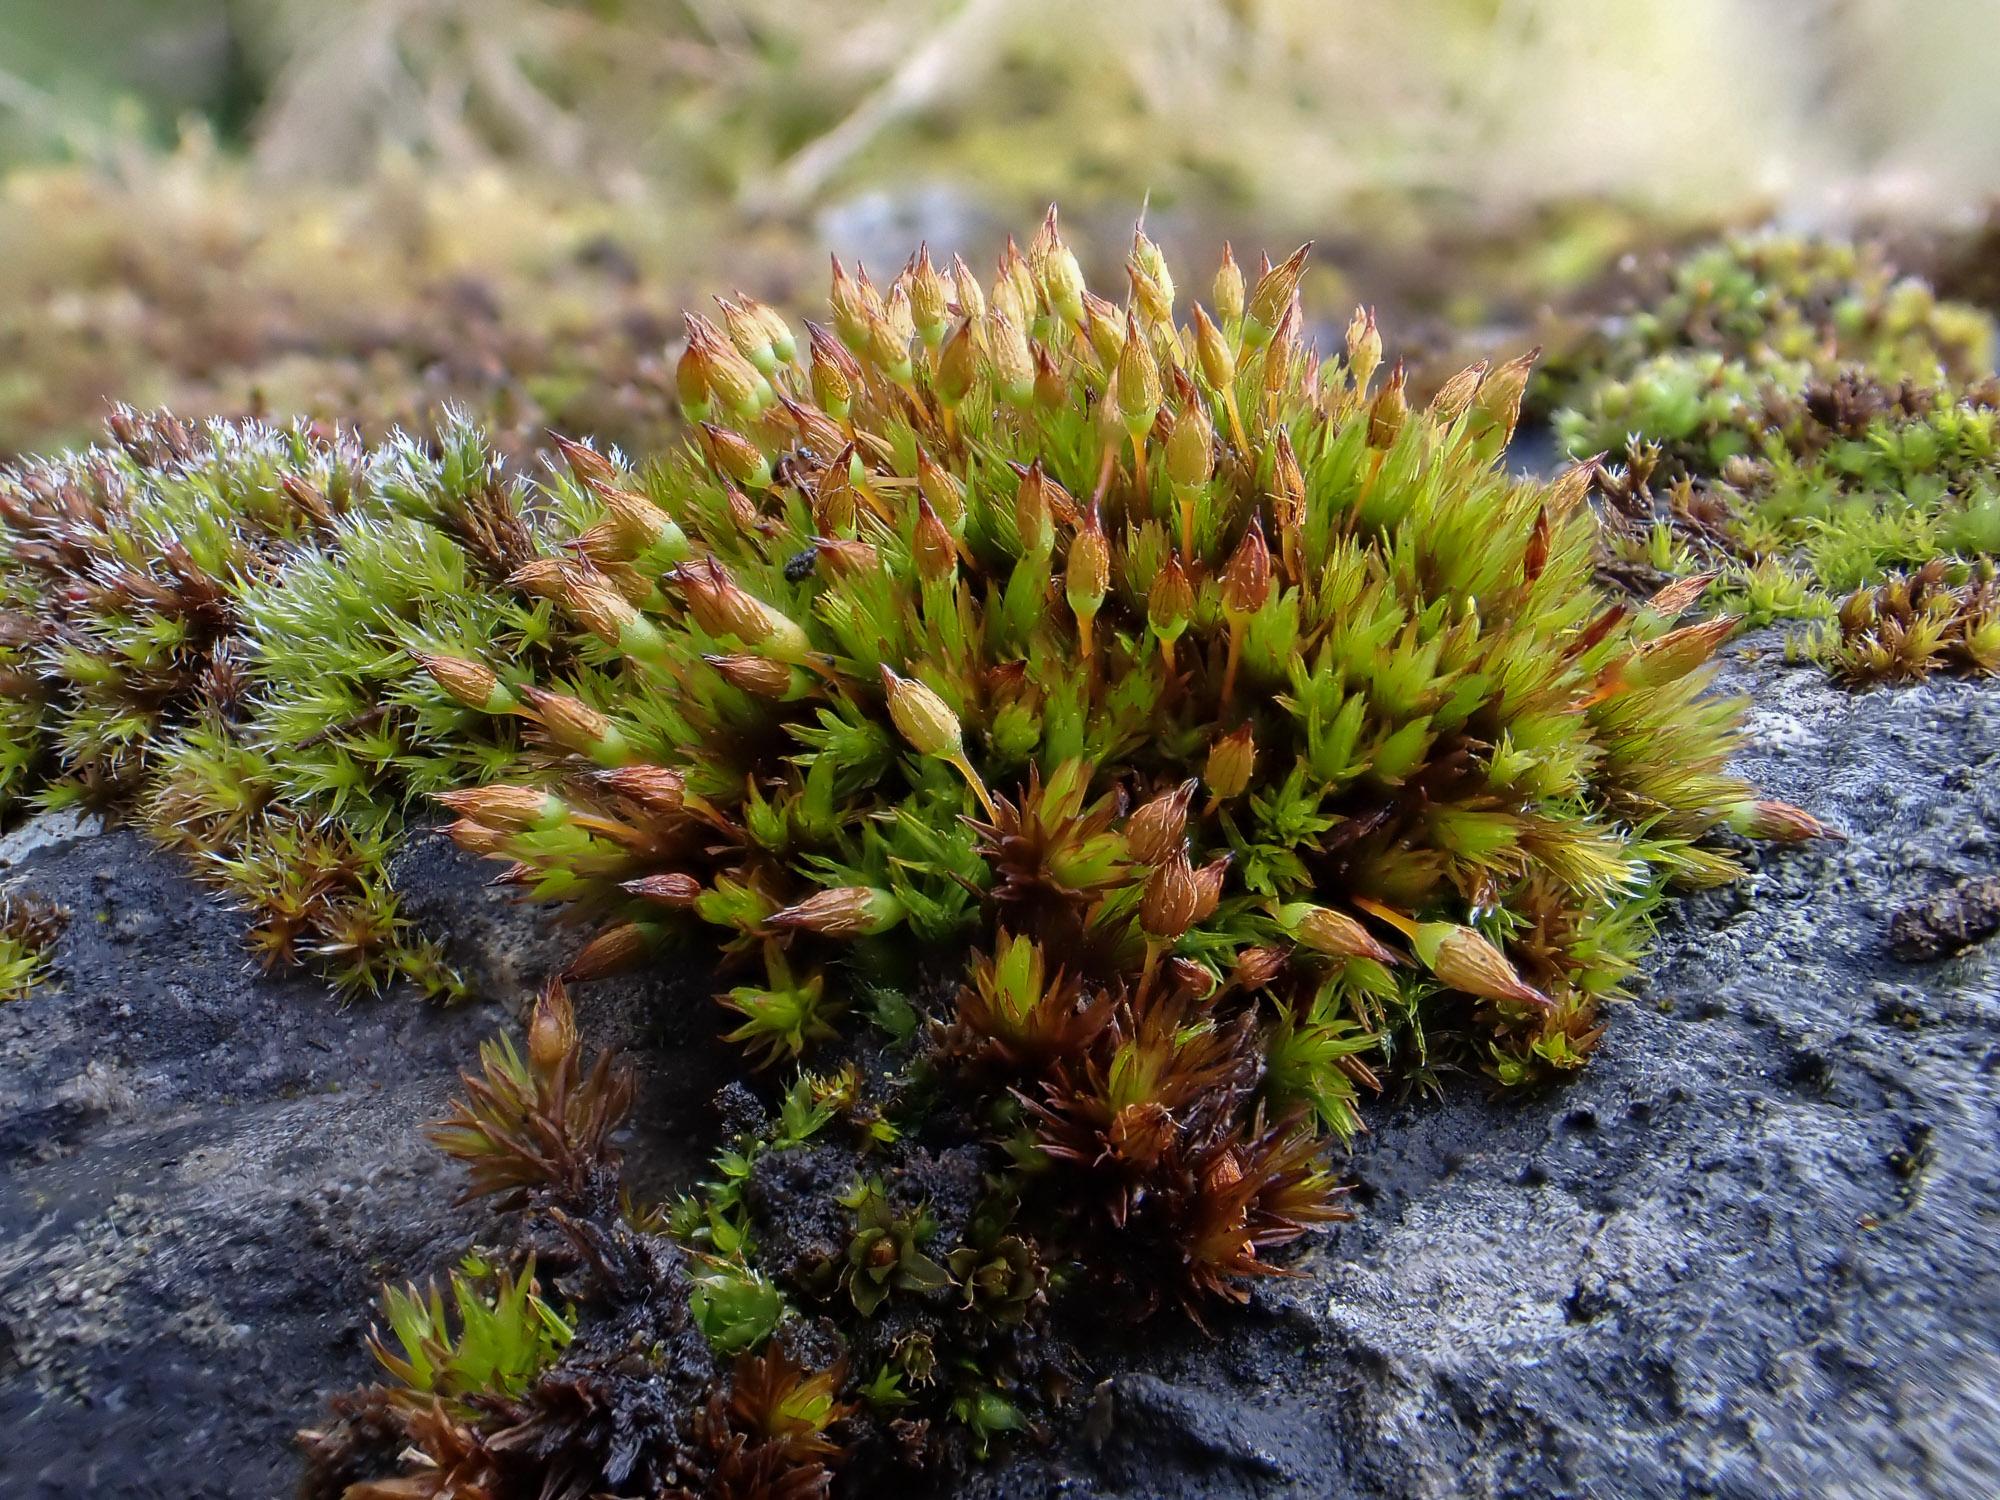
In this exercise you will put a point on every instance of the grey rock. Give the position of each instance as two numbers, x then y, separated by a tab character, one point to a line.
205	1175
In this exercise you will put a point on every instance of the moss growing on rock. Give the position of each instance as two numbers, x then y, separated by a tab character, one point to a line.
1797	421
1253	733
211	627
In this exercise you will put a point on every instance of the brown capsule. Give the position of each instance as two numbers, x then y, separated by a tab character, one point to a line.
1246	578
1387	412
1679	652
1455	395
930	299
670	889
1208	886
1257	967
1013	360
722	608
766	325
1170	601
944	493
931	545
602	610
1087	570
1228	290
1034	517
1364	347
1231	762
743	511
836	503
691	385
818	432
889	335
923	718
612	951
958	365
1464	959
734	456
1282	356
505	806
1016	279
1334	933
834	373
845	557
640	524
478	838
551	1031
1271	299
572	723
1138	382
1167	906
1218	364
722	370
1779	822
1191	440
1288	486
965	287
843	912
655	788
1057	272
1499	399
1105	324
1160	824
761	676
1572	487
472	684
544	577
1152	283
850	308
1679	596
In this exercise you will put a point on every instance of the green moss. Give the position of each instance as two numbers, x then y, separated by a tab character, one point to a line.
1106	751
1776	304
1798	421
217	628
1187	737
29	927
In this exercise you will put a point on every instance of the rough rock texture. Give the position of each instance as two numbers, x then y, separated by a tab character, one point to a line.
206	1173
1754	1250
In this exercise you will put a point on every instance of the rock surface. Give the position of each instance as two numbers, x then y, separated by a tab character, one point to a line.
1753	1250
207	1173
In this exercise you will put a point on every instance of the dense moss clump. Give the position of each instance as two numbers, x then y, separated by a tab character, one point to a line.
1256	736
209	629
1914	625
922	639
1770	305
1797	421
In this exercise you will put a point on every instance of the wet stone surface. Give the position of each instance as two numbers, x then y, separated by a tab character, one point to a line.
1753	1250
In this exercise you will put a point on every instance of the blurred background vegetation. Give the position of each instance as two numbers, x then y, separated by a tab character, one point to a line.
362	208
